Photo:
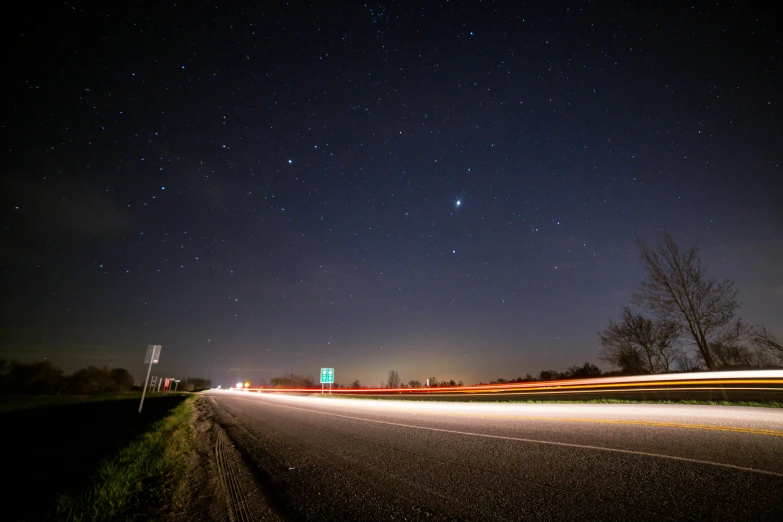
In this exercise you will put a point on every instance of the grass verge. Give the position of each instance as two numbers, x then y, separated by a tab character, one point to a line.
141	480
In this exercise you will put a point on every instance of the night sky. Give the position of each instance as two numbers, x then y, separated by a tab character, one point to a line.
448	189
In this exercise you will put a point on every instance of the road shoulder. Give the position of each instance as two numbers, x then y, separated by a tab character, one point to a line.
220	486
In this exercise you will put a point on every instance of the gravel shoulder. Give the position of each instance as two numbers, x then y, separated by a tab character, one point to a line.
220	485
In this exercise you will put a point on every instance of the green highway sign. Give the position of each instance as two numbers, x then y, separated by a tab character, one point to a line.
327	375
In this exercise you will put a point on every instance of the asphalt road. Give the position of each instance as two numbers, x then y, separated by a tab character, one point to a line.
341	459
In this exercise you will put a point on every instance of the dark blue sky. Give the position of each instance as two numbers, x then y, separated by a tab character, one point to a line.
442	188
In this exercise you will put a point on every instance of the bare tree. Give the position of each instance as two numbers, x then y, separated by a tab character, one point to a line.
638	344
394	379
667	344
414	384
730	348
618	350
677	288
355	385
765	340
689	362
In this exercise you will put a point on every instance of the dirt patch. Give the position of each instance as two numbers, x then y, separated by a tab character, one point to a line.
220	486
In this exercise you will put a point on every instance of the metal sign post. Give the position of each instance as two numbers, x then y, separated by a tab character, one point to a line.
327	376
153	354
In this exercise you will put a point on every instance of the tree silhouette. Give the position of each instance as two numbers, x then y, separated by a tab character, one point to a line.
637	344
678	288
583	372
394	379
767	341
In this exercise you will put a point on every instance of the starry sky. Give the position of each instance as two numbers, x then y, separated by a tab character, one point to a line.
448	189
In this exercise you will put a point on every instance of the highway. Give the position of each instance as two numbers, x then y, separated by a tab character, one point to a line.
314	458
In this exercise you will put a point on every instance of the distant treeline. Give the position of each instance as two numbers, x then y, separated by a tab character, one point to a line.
574	372
43	378
293	380
585	371
195	384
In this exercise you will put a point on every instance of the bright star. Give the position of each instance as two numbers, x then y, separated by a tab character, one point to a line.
459	202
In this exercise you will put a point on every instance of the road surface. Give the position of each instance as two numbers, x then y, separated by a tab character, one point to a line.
314	458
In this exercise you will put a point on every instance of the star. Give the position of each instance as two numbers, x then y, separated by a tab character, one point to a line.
459	202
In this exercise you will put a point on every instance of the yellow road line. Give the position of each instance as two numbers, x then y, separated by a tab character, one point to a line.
539	387
535	441
561	390
621	385
630	422
658	424
708	427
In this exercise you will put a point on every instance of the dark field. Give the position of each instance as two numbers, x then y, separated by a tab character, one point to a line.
52	450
